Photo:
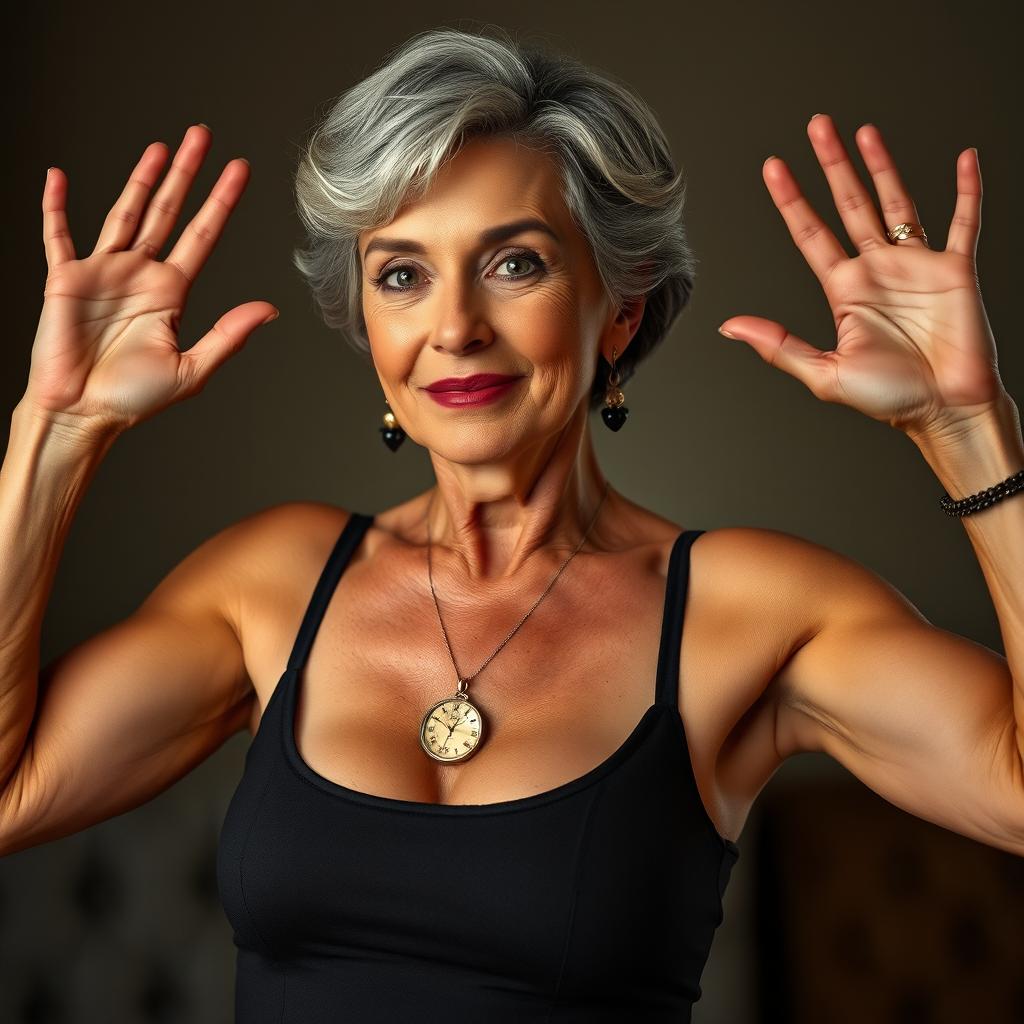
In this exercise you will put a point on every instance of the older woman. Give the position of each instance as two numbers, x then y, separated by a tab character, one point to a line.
492	777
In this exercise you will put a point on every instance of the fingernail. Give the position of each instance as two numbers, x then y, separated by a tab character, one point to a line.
772	157
273	316
722	330
204	125
813	116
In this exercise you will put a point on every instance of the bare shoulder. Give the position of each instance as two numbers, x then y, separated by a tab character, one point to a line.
255	570
218	572
784	575
232	569
273	548
275	536
767	593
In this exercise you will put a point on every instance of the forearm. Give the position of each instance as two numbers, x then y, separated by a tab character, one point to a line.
44	475
970	459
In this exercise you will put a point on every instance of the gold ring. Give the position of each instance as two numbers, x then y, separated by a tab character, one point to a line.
901	231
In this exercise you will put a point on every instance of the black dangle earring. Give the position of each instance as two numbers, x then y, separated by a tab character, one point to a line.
391	432
614	412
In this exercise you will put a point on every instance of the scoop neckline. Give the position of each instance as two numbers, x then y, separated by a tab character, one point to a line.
291	680
639	733
524	803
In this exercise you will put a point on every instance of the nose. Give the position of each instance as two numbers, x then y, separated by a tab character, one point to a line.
462	325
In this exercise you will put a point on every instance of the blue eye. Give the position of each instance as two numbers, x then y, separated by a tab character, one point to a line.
517	256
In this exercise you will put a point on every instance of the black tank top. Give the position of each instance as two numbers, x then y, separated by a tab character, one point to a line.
594	901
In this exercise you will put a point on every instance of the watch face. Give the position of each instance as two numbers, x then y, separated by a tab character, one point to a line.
451	729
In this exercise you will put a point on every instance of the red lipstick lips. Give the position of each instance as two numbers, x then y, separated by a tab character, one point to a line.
473	382
476	389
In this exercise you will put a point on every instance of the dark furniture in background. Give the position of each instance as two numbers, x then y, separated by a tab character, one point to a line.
867	915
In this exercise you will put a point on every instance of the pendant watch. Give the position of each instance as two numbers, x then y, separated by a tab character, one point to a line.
452	728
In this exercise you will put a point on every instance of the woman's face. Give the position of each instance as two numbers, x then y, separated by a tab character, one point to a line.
443	298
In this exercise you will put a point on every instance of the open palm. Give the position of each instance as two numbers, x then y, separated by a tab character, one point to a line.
913	343
106	350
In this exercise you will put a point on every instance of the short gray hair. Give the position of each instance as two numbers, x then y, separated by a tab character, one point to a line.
371	154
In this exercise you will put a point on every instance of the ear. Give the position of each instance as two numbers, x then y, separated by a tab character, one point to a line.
623	327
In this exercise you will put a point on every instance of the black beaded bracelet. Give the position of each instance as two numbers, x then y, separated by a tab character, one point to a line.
976	502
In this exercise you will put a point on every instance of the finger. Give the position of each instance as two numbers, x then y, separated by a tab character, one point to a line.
57	243
778	347
227	336
166	204
812	235
122	221
893	197
204	229
966	223
854	203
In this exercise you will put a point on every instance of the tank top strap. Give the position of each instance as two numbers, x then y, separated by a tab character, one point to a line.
667	689
351	535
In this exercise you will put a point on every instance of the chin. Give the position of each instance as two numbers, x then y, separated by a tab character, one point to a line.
482	441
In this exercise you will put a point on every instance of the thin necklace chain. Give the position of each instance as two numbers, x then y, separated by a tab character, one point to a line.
526	616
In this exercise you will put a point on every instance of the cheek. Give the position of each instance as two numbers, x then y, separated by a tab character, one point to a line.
393	350
555	338
546	325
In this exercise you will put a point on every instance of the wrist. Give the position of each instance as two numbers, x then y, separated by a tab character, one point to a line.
65	428
57	436
973	453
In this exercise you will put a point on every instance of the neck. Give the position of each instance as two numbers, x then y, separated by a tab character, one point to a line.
493	516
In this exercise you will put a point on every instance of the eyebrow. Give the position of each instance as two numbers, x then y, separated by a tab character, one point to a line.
488	237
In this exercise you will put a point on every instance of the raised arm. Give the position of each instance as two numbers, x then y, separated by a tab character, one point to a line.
105	358
930	720
119	718
921	715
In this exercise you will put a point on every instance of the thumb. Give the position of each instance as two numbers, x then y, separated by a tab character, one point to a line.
786	351
227	336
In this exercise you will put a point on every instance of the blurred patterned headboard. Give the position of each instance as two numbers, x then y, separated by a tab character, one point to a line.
121	923
867	915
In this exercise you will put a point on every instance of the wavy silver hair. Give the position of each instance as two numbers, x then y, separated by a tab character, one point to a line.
383	141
